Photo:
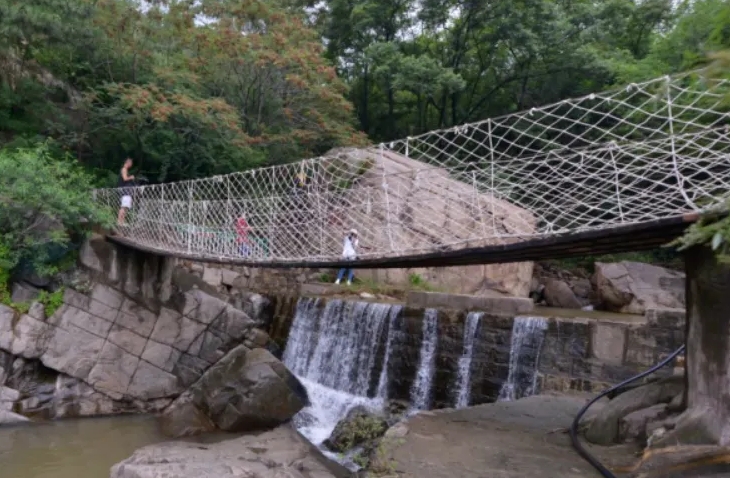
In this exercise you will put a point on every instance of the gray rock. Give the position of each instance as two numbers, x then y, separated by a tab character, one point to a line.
23	293
161	355
136	317
633	427
7	315
175	330
150	382
228	277
113	372
10	418
604	428
277	453
8	397
558	294
30	337
73	351
184	418
127	339
634	287
246	390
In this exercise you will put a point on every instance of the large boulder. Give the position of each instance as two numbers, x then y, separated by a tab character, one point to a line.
248	389
606	427
634	287
360	426
277	453
422	208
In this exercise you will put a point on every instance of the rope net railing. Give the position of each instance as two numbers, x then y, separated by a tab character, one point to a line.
649	151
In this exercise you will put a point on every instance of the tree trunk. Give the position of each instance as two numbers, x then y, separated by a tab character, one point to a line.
707	418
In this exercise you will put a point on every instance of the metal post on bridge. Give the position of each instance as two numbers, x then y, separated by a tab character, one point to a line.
491	175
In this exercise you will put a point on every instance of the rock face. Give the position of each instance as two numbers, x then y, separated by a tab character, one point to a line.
245	390
359	427
431	208
275	454
626	416
113	346
634	287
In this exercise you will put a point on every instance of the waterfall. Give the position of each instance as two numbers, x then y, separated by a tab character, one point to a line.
382	392
421	389
528	334
333	353
463	379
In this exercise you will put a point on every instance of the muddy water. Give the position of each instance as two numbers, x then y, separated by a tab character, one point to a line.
84	448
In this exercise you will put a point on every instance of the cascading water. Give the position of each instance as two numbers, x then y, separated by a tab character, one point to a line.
528	334
463	379
382	392
421	389
333	353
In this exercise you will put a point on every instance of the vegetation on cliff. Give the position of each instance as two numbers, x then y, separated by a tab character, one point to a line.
44	204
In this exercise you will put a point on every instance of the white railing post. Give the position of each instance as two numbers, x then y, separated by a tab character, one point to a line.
190	217
616	181
387	201
675	165
491	176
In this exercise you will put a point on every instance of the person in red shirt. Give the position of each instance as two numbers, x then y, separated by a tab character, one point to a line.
242	230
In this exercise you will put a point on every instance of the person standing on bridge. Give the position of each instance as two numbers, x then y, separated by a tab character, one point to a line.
349	253
242	230
125	183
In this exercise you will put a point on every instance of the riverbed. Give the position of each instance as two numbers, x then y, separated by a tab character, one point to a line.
81	448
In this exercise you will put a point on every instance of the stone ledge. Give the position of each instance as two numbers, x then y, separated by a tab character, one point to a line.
491	305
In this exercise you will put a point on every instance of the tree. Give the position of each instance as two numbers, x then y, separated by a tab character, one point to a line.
44	201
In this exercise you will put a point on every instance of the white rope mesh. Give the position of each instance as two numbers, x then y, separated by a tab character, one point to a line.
649	151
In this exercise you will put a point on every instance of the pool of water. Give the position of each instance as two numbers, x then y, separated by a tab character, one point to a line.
82	448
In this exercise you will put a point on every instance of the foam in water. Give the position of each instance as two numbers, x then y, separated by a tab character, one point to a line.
421	389
333	353
528	334
463	379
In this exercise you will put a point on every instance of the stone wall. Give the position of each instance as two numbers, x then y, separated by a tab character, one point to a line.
589	355
131	335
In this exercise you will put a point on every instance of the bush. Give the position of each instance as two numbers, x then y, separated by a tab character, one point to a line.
44	202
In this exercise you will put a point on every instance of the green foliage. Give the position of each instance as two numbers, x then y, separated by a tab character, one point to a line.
52	301
416	280
712	230
44	201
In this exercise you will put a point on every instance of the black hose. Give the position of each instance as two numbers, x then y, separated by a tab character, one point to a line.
576	422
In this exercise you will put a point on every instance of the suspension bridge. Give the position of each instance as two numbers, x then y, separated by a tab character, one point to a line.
615	171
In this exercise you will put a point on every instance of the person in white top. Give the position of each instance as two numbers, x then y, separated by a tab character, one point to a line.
349	253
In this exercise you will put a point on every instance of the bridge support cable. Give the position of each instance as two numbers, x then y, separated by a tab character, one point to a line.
636	155
574	428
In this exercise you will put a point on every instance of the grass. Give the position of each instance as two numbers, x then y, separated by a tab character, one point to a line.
415	282
663	257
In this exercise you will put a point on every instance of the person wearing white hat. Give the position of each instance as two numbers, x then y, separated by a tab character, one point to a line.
349	253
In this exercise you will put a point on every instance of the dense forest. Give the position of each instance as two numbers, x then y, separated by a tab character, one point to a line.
192	88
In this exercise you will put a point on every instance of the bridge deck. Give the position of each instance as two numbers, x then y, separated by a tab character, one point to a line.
647	235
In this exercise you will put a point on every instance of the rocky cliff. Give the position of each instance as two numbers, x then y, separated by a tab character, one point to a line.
131	335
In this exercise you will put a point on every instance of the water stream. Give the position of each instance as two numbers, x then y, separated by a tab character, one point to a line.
333	352
421	389
528	334
463	379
